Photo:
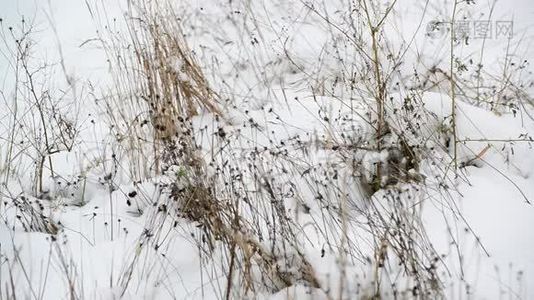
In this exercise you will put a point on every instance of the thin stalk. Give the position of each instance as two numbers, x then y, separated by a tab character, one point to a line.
453	90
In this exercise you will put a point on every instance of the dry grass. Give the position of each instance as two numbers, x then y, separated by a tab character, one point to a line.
243	206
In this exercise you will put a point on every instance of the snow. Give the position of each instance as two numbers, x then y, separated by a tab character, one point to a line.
493	203
482	230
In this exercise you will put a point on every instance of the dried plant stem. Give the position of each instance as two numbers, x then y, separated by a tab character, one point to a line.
453	90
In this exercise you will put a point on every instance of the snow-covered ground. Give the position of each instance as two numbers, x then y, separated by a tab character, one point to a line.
290	123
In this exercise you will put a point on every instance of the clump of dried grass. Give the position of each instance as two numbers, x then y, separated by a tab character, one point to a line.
173	83
218	215
30	213
160	87
157	81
